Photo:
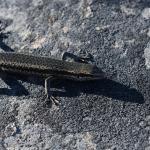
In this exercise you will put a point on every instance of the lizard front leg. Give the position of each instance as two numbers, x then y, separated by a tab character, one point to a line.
86	58
48	93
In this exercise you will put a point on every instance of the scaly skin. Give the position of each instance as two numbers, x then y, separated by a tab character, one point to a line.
44	66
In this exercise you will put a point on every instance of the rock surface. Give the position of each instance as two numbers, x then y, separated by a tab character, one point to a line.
103	115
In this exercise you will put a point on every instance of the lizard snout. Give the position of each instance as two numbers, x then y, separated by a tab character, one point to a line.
98	73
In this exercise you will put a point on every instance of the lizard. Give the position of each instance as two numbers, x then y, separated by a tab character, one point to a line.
49	68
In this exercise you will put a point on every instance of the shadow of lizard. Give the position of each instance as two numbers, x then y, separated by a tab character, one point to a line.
69	88
103	87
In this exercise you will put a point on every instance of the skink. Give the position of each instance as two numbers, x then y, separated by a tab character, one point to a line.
48	68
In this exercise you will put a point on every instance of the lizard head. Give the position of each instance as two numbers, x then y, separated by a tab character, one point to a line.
97	73
91	72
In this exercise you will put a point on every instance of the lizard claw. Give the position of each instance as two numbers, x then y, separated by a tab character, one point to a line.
51	100
54	100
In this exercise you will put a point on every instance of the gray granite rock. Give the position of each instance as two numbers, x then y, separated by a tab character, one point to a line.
103	115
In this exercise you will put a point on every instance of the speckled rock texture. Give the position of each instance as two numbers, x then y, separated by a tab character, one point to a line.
101	115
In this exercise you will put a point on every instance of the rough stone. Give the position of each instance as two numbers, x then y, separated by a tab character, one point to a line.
100	115
146	13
